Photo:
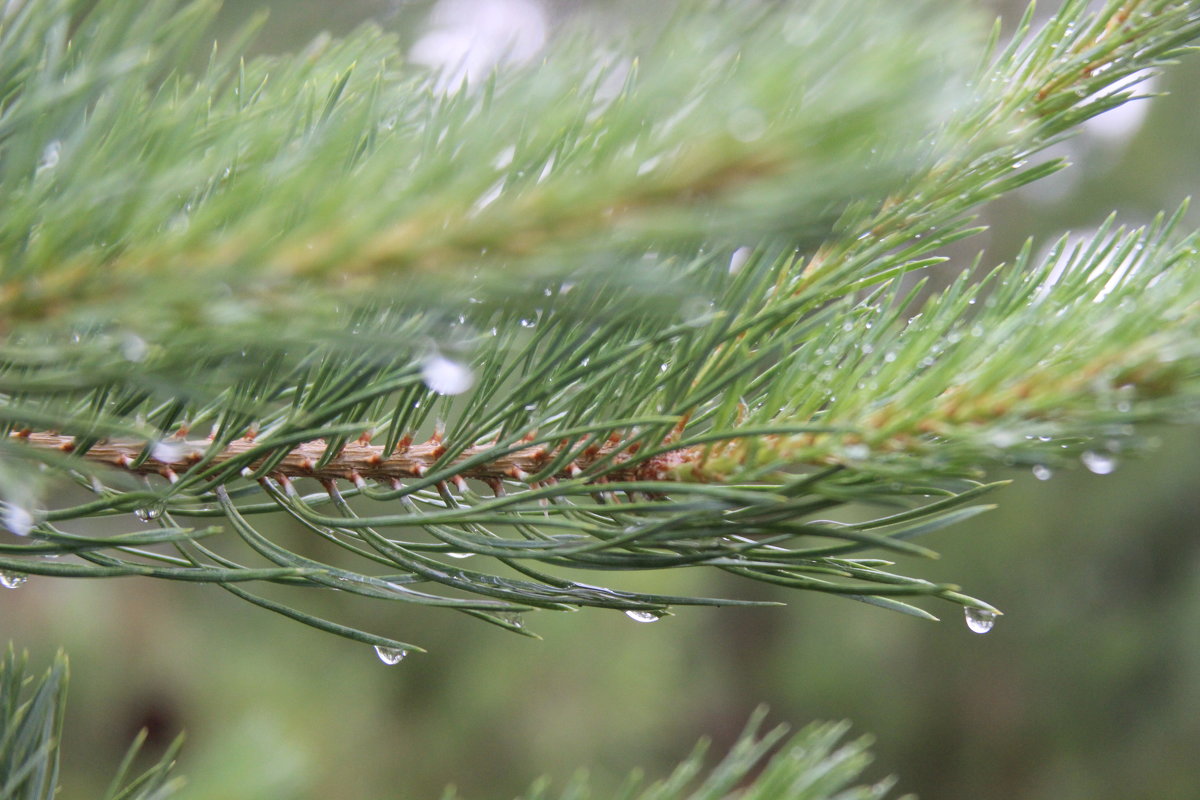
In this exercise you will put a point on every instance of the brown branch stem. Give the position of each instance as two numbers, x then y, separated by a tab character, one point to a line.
361	461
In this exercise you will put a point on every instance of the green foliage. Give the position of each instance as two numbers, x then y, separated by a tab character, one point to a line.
31	720
661	300
813	764
604	313
363	170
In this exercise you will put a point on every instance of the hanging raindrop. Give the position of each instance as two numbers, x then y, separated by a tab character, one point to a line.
644	616
1042	472
513	618
149	513
979	620
12	580
1099	463
390	655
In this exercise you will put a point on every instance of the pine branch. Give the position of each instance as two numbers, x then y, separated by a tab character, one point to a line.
360	461
812	765
418	181
684	347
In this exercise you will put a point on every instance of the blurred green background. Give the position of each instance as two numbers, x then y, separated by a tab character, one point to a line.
1089	687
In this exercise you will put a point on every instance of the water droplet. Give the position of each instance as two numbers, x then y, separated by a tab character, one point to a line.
649	164
168	452
445	376
979	620
1124	395
1042	472
739	259
513	618
134	348
1002	439
505	157
50	156
644	616
149	513
528	323
390	655
1099	463
18	520
12	580
856	452
455	554
489	197
546	169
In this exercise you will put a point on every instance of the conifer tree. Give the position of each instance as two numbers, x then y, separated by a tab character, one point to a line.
669	300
